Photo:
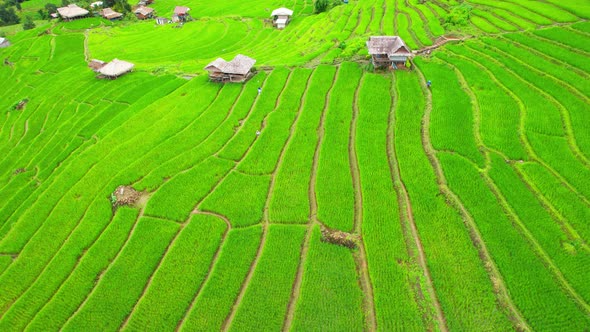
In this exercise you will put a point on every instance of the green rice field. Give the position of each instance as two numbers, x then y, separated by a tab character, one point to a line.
468	201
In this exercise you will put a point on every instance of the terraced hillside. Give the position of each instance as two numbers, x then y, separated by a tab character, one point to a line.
468	202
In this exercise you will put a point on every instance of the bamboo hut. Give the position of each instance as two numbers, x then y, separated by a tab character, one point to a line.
281	17
143	12
110	14
71	12
237	70
388	51
180	13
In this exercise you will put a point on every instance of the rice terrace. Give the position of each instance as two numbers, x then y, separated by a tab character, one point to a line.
311	165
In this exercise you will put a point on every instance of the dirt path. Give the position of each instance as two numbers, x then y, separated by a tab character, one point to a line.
407	219
501	292
86	49
361	255
312	216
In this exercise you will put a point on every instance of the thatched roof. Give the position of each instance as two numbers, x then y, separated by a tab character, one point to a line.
4	42
145	11
282	12
116	68
96	4
390	45
110	14
71	11
181	10
240	65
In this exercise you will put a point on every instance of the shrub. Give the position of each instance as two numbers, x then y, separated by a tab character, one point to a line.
458	15
28	24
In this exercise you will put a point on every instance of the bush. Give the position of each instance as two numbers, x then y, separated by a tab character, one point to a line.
28	24
321	5
459	15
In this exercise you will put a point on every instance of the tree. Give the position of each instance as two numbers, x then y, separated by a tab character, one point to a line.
8	15
321	5
51	8
28	24
43	14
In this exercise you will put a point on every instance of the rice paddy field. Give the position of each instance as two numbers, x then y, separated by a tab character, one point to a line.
468	202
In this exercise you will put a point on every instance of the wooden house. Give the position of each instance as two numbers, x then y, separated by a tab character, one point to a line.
143	12
237	70
4	42
72	12
281	17
115	69
180	14
110	14
388	51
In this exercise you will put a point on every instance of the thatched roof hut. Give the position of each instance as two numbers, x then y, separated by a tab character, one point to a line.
238	69
71	12
116	68
181	10
4	42
96	65
388	51
143	12
110	14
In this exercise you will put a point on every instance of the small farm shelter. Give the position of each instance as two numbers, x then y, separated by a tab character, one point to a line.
96	65
4	42
145	2
110	14
161	20
281	17
180	13
96	4
116	68
388	51
143	12
71	12
237	70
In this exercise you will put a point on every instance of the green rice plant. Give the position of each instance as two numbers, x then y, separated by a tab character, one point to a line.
581	26
181	273
542	63
567	202
381	225
565	252
483	24
335	192
290	197
499	113
514	19
405	32
263	156
374	27
38	255
460	280
72	292
541	115
433	22
567	37
578	8
113	297
452	112
269	290
551	12
550	307
389	17
572	106
58	268
492	19
556	152
214	303
330	294
178	197
516	9
214	142
242	207
266	103
5	262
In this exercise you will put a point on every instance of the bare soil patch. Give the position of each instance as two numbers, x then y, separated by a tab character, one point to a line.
339	238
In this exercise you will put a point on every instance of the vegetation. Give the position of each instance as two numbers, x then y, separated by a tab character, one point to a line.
468	198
